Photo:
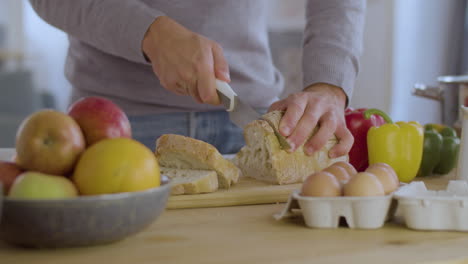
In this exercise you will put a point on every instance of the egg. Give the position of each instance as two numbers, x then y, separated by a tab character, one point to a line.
386	176
364	184
322	184
339	172
388	167
347	166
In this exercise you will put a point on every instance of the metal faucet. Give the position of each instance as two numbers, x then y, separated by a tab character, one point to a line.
430	92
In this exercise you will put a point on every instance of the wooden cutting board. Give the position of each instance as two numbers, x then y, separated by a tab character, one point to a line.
247	191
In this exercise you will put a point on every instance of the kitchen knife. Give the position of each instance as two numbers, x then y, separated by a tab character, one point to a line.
241	113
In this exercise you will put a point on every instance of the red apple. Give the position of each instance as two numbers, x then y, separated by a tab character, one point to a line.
8	173
100	118
50	142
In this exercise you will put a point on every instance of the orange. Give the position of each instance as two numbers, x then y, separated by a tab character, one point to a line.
116	165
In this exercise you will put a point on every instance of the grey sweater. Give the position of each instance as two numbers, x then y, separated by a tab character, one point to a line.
105	56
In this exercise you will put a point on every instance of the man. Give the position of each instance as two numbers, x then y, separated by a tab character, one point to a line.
159	60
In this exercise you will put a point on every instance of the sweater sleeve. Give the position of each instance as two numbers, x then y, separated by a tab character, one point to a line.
115	27
333	42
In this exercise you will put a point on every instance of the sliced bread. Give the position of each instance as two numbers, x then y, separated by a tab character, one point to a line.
191	181
263	158
180	152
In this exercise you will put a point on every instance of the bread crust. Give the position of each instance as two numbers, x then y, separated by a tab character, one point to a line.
263	158
177	151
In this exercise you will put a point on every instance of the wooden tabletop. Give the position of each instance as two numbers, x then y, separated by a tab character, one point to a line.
249	234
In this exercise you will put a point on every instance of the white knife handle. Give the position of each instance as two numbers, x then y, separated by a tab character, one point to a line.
226	90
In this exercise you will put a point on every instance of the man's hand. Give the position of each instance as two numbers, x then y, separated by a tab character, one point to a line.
185	63
319	104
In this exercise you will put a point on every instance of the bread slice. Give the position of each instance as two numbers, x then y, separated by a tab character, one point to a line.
263	158
180	152
191	181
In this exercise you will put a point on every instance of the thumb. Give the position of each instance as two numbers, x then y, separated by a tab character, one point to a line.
221	67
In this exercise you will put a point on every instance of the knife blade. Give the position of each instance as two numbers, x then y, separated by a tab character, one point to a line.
241	113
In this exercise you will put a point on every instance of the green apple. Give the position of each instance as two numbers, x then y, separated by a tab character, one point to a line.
36	185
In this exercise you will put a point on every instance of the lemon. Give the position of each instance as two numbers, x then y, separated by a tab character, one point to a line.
116	165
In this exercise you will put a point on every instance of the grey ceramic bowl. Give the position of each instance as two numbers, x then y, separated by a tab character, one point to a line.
81	221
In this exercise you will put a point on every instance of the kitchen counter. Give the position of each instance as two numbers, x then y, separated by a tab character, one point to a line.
249	234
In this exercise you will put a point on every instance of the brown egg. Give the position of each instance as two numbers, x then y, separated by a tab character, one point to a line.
388	167
364	184
386	177
348	167
339	172
322	184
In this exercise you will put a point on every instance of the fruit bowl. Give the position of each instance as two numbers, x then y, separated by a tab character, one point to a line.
81	221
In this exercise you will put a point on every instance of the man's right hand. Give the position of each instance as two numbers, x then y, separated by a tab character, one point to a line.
185	62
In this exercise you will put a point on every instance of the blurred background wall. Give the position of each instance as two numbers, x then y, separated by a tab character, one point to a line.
405	42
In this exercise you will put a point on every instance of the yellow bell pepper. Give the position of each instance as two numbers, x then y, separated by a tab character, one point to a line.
399	144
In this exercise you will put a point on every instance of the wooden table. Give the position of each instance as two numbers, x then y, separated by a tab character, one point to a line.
249	234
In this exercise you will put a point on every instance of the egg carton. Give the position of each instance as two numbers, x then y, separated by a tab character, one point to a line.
424	209
326	212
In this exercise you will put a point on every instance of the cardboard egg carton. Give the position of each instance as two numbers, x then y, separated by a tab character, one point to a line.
326	212
424	209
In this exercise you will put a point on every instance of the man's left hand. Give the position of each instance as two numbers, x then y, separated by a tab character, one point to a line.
319	104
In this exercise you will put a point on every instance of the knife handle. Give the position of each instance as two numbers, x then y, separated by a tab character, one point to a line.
226	94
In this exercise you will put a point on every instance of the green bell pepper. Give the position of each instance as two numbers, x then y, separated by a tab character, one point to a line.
448	132
440	150
449	152
432	147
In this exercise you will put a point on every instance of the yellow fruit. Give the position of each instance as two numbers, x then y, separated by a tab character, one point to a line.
116	165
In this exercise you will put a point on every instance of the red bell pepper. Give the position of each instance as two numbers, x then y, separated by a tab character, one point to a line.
358	125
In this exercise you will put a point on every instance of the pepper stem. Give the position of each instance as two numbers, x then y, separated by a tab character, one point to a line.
374	111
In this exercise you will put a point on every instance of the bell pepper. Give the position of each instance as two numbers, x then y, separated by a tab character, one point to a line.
449	151
440	150
432	147
358	125
434	126
399	144
448	132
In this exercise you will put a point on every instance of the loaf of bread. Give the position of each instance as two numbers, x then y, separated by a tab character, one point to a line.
180	152
263	158
191	181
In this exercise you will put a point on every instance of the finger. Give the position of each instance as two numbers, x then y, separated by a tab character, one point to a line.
206	84
325	132
345	142
294	111
180	89
170	83
189	80
221	66
187	76
278	106
304	127
194	92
